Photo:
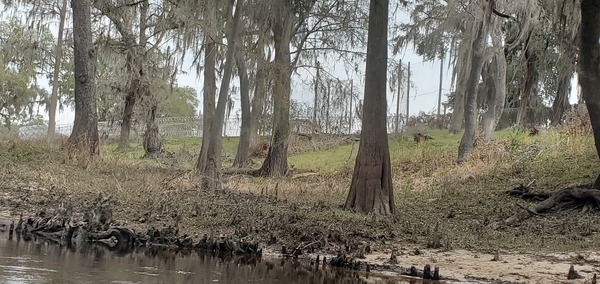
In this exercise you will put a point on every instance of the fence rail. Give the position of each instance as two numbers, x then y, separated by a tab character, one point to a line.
192	127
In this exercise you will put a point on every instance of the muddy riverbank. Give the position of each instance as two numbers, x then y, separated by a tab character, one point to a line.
438	227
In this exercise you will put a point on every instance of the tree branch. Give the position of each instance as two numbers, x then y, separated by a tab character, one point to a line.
499	14
102	6
340	50
308	33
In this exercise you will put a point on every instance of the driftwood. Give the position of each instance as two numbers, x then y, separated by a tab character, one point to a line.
572	197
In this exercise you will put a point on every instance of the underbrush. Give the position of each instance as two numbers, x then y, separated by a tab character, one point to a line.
431	191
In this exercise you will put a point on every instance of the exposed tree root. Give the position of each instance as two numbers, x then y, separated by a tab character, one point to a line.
97	226
567	198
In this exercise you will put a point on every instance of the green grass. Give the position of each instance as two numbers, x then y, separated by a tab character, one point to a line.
330	160
172	144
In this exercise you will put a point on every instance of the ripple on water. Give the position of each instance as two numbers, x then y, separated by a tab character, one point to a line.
184	272
18	268
146	273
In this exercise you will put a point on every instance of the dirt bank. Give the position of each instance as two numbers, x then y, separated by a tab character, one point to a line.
302	213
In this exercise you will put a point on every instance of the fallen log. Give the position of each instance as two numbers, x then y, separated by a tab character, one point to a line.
573	196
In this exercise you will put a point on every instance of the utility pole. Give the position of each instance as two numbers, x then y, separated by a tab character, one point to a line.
407	95
440	87
398	98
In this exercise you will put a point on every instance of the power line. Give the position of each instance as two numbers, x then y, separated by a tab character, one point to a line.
429	93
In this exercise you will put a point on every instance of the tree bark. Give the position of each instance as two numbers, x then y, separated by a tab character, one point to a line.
371	188
477	49
458	108
589	65
260	95
134	69
498	68
209	92
561	101
130	100
85	126
243	150
56	76
275	164
152	143
210	165
531	78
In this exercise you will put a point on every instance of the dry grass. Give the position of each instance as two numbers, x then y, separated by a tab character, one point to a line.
430	188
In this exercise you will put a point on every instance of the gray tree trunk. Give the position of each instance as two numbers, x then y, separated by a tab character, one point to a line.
275	164
52	107
371	188
127	118
463	66
260	95
531	78
85	127
496	104
589	66
243	149
152	143
210	165
477	49
209	92
561	101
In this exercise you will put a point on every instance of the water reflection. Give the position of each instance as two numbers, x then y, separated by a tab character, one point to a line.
40	262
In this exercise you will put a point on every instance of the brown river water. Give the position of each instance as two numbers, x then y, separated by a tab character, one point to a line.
38	261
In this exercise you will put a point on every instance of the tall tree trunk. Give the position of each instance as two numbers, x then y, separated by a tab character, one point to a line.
458	108
210	166
498	68
152	143
275	164
56	76
477	49
134	69
371	188
243	150
561	101
531	78
589	65
260	95
209	92
85	126
130	100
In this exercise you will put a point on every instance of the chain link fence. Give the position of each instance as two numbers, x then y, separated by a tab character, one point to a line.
192	127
